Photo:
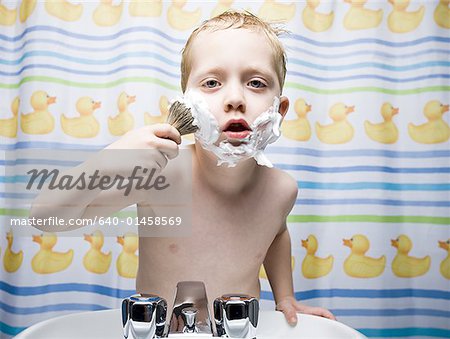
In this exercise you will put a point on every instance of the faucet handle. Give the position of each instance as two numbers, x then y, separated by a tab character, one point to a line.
143	316
189	315
236	316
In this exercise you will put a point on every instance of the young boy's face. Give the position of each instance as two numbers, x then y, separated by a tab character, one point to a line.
234	71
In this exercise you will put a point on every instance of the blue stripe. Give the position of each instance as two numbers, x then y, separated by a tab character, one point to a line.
405	332
51	308
18	162
386	186
48	54
368	41
49	145
366	293
347	169
67	287
92	73
389	312
369	76
359	153
363	201
139	29
10	330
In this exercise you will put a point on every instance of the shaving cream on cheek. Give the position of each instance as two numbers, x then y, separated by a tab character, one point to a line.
265	130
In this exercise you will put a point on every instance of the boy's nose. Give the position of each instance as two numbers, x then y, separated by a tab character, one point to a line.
235	100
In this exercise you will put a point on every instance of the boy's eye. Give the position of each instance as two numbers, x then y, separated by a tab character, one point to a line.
256	84
211	83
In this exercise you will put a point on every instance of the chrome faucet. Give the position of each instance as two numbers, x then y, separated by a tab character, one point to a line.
144	315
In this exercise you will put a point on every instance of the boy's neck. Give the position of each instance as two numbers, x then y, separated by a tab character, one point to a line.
223	179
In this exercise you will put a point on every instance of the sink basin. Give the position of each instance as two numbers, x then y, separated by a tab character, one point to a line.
107	324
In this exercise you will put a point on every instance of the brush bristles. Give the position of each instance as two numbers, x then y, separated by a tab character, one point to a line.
181	118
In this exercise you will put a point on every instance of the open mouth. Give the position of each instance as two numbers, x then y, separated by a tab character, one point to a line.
237	129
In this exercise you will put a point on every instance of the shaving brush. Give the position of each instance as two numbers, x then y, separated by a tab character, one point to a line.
181	118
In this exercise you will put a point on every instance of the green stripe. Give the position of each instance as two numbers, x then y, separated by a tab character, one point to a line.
110	84
371	218
367	89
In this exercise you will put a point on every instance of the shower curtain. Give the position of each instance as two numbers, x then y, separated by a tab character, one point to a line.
366	137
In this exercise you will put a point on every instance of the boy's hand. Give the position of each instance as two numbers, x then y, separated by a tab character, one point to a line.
290	306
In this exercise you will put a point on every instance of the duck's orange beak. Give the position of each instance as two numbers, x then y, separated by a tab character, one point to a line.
444	245
97	104
445	108
392	2
347	242
120	240
131	99
394	243
37	238
305	243
51	100
395	111
88	237
350	109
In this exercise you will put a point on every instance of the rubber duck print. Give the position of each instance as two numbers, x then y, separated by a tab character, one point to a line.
315	21
145	8
298	129
26	9
340	131
385	132
442	14
181	19
406	266
86	125
401	21
262	270
312	266
124	121
64	10
127	262
436	130
7	16
273	11
359	17
40	121
8	126
357	264
445	264
107	14
47	261
11	260
222	6
158	119
95	260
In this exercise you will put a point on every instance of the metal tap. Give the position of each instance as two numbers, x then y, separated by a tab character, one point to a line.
236	316
143	316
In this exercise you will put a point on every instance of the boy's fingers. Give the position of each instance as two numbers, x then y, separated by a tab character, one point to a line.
167	131
290	314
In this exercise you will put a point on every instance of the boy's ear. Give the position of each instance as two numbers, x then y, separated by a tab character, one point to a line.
284	105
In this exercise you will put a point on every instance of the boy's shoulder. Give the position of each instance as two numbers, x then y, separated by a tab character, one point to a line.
283	187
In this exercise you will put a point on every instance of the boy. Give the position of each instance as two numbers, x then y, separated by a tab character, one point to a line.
236	62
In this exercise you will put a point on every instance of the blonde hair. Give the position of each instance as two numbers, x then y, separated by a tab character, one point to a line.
237	19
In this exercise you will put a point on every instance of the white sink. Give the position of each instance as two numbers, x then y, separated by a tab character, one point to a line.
107	324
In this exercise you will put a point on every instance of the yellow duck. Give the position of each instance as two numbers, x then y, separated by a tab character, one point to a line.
401	21
340	131
26	9
222	6
434	131
40	121
445	264
312	266
127	262
145	8
298	129
64	10
180	19
405	266
262	270
359	17
11	260
107	14
7	16
86	125
385	132
158	119
442	14
314	21
94	260
276	12
8	126
46	261
124	121
357	264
